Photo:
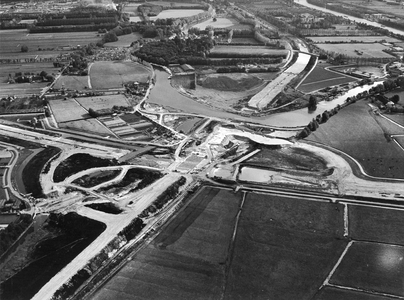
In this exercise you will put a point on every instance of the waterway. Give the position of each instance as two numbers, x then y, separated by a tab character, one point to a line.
359	20
165	95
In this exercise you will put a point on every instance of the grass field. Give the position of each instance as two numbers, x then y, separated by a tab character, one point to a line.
343	39
375	50
72	82
67	110
284	248
377	225
125	40
87	125
103	102
106	75
12	40
320	78
112	74
355	131
186	261
248	50
372	267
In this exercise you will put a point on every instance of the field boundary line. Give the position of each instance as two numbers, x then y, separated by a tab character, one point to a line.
374	205
371	292
346	220
327	280
392	121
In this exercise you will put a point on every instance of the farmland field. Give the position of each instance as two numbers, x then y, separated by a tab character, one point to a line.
355	131
376	50
103	102
320	78
248	50
72	82
12	40
194	256
125	40
365	39
112	74
377	225
87	125
284	248
187	260
67	110
372	267
177	13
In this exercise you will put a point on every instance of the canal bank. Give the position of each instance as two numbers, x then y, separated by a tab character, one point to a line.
163	94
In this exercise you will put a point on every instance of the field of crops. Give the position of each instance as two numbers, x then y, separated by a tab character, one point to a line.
375	51
103	102
372	266
187	260
357	132
358	39
320	78
112	74
12	40
304	242
67	110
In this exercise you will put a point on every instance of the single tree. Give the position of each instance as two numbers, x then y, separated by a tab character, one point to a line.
312	103
24	48
395	99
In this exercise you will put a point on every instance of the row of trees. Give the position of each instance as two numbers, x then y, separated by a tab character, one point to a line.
170	193
385	86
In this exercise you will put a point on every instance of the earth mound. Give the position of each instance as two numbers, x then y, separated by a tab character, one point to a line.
238	83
